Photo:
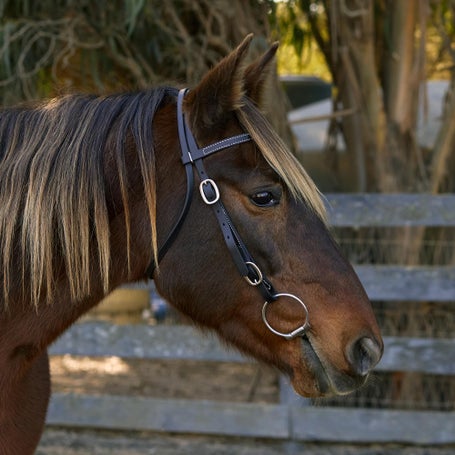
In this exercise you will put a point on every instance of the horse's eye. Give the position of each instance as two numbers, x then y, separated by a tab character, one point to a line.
265	199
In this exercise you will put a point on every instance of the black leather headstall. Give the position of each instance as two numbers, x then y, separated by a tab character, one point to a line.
192	155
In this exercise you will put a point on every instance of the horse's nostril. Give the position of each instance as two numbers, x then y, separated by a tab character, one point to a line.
364	354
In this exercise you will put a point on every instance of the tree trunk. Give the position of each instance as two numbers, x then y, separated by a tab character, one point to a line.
358	84
445	143
399	161
380	135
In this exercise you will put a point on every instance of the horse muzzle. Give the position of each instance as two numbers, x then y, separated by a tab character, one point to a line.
361	356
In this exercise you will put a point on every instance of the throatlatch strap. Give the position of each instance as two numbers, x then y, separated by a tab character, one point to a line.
178	224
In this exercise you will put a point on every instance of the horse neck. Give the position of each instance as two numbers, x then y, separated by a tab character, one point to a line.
130	228
170	184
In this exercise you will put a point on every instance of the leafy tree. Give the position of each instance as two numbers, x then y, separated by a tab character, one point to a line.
107	45
50	47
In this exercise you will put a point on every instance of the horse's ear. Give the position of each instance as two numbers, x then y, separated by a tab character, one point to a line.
257	73
220	91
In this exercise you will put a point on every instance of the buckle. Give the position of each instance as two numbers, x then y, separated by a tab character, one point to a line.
209	191
258	279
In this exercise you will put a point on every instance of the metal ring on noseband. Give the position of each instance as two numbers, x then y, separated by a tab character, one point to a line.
295	333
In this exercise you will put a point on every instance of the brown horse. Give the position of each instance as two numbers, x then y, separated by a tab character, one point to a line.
91	187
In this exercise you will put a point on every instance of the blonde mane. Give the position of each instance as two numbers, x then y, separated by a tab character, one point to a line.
277	154
53	206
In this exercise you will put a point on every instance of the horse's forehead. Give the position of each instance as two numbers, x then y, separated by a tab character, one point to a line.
242	161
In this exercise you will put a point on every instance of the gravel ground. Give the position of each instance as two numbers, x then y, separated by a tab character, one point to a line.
63	442
204	380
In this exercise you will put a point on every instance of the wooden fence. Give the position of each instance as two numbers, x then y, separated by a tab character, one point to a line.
292	418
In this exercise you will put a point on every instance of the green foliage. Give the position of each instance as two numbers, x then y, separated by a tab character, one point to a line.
299	51
304	27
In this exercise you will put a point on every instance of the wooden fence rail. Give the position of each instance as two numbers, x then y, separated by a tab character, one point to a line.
102	339
288	419
391	210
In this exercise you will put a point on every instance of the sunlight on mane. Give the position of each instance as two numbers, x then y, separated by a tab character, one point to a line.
299	183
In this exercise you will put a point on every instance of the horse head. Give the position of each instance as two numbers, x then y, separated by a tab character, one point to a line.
278	215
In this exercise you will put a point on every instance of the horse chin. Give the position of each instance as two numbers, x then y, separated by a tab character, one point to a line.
327	381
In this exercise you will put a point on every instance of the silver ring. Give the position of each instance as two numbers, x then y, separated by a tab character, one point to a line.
299	331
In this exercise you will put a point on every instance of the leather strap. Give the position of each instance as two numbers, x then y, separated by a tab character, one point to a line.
198	153
178	224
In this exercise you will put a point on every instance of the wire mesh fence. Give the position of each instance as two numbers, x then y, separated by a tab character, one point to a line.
398	245
401	390
404	390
